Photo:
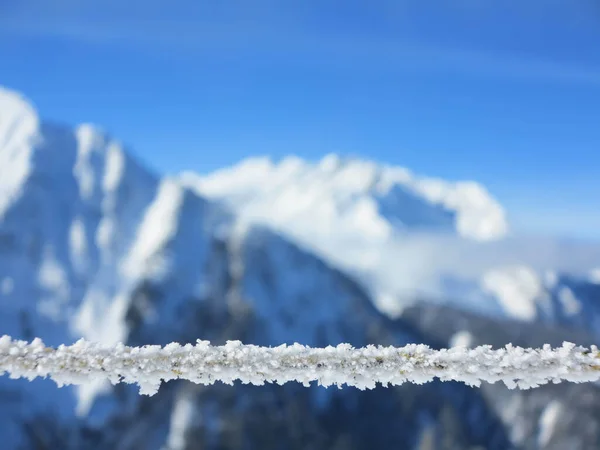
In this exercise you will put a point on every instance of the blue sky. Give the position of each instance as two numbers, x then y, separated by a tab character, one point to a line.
503	92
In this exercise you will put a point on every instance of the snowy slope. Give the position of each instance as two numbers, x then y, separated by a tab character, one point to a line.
72	200
69	207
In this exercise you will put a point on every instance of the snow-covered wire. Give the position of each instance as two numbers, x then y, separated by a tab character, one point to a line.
363	368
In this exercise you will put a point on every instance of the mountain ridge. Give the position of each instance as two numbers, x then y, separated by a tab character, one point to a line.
360	215
464	207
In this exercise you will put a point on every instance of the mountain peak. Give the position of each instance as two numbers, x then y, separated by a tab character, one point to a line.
15	109
19	132
355	214
374	199
19	124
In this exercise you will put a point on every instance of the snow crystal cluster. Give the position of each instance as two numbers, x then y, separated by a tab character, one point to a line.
363	368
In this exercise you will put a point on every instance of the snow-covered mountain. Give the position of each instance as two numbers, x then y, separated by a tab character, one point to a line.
404	236
359	216
93	244
340	196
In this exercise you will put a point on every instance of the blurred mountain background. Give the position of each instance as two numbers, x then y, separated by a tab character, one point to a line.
235	215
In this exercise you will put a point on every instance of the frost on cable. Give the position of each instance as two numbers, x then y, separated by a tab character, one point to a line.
363	368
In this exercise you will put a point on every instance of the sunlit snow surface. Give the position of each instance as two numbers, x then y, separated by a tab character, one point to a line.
348	197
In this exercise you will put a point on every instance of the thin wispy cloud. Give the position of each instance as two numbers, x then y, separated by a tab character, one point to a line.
280	36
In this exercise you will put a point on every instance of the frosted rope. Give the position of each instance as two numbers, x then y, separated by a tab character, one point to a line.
363	368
